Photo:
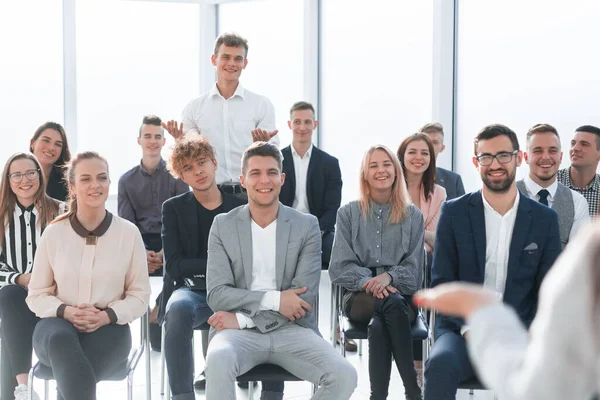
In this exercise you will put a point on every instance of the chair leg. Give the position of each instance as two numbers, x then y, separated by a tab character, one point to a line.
315	387
360	342
251	390
148	362
163	362
130	386
46	390
333	304
471	392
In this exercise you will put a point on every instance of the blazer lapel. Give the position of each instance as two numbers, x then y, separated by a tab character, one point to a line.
314	164
191	224
290	171
245	239
283	237
477	217
520	233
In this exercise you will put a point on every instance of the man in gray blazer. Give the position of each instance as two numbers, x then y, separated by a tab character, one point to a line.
264	266
451	181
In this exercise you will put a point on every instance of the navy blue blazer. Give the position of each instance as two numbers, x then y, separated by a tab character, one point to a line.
180	236
451	181
459	253
323	186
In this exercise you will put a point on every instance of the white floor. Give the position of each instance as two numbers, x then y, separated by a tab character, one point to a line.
293	390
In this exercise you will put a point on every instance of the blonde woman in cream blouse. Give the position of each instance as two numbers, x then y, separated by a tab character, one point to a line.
89	282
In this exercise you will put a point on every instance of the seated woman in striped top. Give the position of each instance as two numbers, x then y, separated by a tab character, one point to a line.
25	211
89	281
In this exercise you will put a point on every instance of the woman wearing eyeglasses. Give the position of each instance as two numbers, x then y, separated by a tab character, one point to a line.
49	144
25	211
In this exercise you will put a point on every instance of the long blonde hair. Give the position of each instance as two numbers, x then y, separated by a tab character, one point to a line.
70	175
400	199
46	206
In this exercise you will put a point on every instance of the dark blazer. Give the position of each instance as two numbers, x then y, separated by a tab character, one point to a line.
180	238
451	181
459	253
323	186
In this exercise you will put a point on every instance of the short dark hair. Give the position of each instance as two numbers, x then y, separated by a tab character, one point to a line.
591	129
432	127
541	128
231	39
428	180
302	105
151	120
495	130
262	149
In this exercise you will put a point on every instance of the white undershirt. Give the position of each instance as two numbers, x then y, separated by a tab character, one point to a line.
264	270
498	236
301	172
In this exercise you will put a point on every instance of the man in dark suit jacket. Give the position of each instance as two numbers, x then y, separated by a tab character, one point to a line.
313	182
451	181
494	237
186	223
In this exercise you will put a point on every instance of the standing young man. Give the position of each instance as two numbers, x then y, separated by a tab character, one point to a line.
228	115
142	191
543	157
264	268
581	176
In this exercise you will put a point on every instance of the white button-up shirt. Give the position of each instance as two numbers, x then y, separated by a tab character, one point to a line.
264	270
582	213
227	124
301	171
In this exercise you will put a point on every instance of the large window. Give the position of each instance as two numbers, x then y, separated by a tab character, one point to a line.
275	34
133	59
522	63
376	77
31	70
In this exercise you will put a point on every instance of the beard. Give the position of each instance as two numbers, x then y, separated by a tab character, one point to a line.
499	186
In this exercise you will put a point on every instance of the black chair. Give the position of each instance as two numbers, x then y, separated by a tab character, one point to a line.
125	370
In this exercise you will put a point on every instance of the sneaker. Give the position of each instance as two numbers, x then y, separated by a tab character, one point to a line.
22	393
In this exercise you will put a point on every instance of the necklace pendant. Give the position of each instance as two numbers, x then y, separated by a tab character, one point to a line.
91	240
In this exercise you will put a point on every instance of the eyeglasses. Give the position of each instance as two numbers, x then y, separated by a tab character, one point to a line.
503	158
31	175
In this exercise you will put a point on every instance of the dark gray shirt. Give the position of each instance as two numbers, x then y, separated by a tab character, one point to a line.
141	196
364	248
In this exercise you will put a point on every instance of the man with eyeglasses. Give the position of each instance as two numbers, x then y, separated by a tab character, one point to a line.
494	237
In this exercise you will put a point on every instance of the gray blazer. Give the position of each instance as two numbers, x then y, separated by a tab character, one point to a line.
229	266
451	181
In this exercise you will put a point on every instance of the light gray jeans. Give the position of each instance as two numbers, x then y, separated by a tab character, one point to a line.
299	350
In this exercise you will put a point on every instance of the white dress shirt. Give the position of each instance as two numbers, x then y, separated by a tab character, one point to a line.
301	171
582	213
559	358
498	235
227	124
264	270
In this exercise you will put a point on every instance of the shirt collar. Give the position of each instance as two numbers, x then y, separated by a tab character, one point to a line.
307	154
509	212
99	231
593	185
22	209
162	165
534	188
239	91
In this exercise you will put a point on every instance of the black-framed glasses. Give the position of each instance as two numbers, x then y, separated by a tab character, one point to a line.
503	158
31	175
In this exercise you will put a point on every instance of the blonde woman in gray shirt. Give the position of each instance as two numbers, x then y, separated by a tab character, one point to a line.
378	258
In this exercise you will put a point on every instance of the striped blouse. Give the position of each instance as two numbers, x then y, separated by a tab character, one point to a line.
20	243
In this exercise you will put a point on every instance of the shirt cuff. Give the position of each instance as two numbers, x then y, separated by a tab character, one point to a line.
60	311
270	300
12	278
464	329
244	322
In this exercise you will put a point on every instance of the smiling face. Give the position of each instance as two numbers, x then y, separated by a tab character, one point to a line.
263	180
91	183
381	173
417	157
497	177
229	61
584	150
543	156
199	173
47	147
151	140
27	188
302	123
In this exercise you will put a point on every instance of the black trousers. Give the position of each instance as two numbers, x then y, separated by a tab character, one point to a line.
80	360
389	335
16	329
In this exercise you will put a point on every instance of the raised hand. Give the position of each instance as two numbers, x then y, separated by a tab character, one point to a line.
261	135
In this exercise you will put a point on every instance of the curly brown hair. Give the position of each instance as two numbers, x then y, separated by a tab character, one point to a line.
188	148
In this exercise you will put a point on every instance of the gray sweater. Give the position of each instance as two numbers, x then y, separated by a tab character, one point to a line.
372	244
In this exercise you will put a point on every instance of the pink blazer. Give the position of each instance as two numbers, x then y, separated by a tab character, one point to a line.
431	209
